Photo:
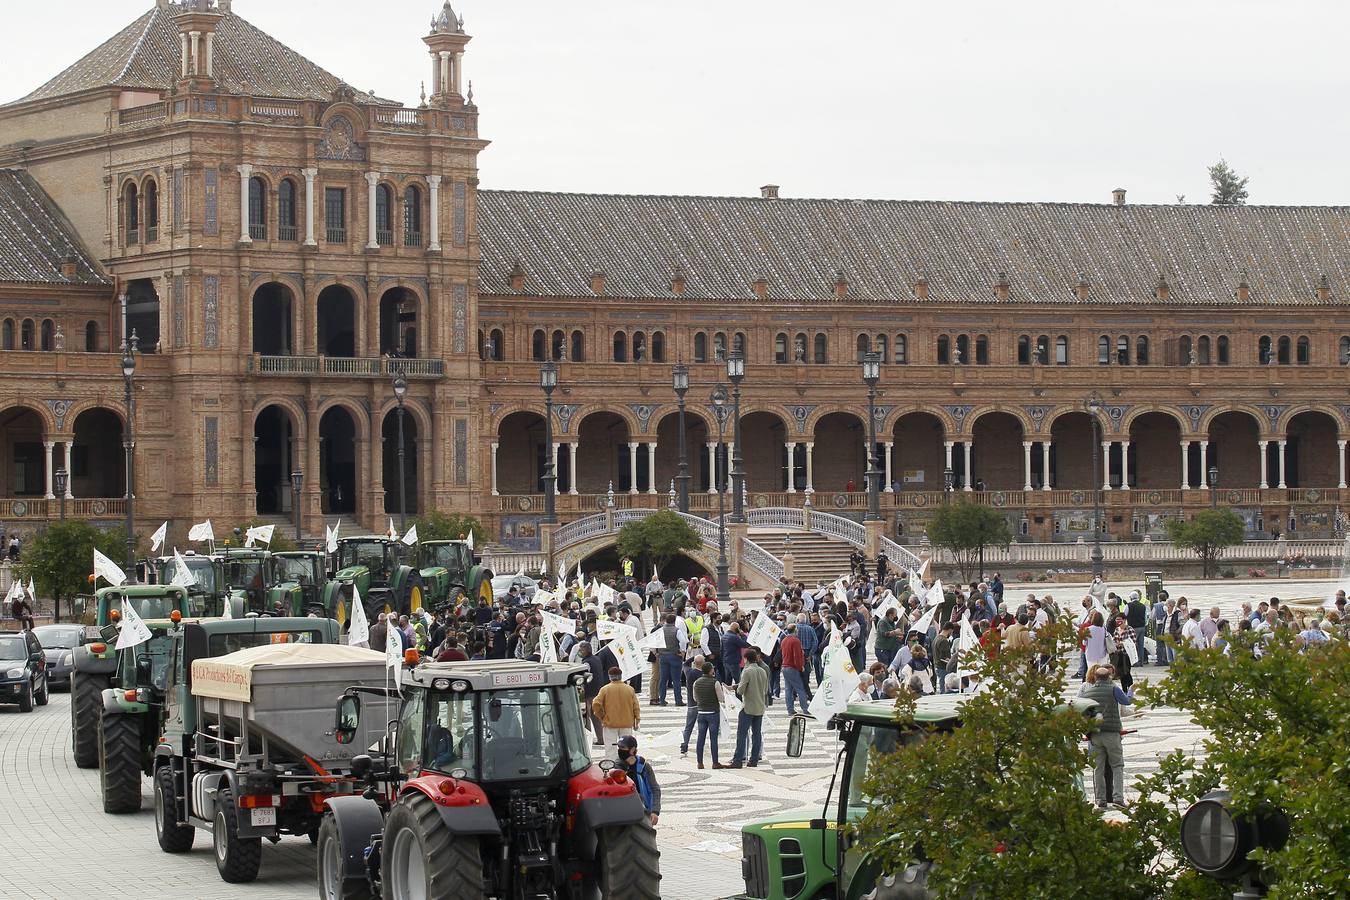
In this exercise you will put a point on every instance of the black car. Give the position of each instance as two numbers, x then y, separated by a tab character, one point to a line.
23	671
58	643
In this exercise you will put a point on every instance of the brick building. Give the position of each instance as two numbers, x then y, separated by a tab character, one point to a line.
278	237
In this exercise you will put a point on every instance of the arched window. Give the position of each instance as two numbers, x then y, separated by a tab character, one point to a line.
799	348
1184	350
719	347
658	346
1024	350
700	347
963	350
864	344
7	335
1263	350
287	229
1344	355
412	216
738	342
882	347
384	215
257	208
90	337
1103	351
1043	350
1283	352
1221	346
1202	350
639	347
26	335
1123	350
131	213
1304	352
48	341
578	346
1141	351
557	346
151	193
482	345
620	347
496	346
780	354
1062	350
944	349
537	345
982	350
901	349
822	347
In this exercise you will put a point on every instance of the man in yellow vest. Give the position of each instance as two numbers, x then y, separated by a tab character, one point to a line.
627	565
694	626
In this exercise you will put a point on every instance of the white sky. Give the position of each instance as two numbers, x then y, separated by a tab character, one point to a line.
1048	100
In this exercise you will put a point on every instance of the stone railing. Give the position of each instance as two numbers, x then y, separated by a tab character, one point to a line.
150	113
898	555
776	517
839	527
580	530
76	508
509	562
274	109
1325	551
353	366
755	555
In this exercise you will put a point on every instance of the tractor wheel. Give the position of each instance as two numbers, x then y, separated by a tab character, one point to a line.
423	859
416	593
86	704
629	863
377	600
481	588
119	763
173	838
333	885
912	883
237	859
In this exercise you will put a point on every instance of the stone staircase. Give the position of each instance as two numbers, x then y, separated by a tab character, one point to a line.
815	557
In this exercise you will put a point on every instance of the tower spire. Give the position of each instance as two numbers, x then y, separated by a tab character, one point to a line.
446	43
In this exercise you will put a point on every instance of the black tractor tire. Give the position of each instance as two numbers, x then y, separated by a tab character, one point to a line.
414	594
912	884
86	706
41	698
451	867
26	698
173	838
377	600
629	863
479	587
333	885
237	859
119	763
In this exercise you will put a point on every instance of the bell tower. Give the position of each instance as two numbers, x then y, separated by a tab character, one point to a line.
446	43
196	21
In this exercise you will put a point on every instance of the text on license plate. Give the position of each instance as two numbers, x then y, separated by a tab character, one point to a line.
266	816
516	679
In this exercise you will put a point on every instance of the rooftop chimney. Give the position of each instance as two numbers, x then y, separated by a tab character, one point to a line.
840	285
1323	289
1118	196
68	266
517	276
761	287
597	282
1084	286
1243	290
921	288
769	192
1162	290
677	281
1001	286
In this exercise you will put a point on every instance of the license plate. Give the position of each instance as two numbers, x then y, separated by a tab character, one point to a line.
516	679
264	816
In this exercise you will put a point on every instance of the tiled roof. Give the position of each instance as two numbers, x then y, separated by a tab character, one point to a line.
884	247
36	238
145	54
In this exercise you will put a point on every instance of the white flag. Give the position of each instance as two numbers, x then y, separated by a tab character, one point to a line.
108	570
228	611
358	628
182	575
469	539
562	574
935	594
411	537
581	579
632	661
764	633
886	605
32	591
916	585
521	573
841	680
392	532
157	539
548	651
655	640
556	624
612	629
925	621
542	597
840	595
331	536
966	647
259	533
202	532
393	647
133	630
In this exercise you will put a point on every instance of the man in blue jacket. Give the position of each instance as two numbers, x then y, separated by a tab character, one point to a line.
733	648
810	644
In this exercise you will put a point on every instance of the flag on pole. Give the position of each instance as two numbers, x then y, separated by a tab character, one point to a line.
548	651
182	575
581	579
331	535
358	628
393	648
392	532
841	680
935	594
157	539
612	629
32	591
133	630
469	539
556	624
411	537
925	621
966	645
228	611
655	640
108	570
201	532
632	661
764	633
259	533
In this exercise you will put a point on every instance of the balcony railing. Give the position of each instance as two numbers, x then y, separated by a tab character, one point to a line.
412	238
360	366
288	233
336	235
384	238
151	234
78	508
152	112
257	231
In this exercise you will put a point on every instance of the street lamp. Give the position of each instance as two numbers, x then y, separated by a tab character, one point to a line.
129	347
680	381
548	380
62	480
400	392
871	372
736	372
948	481
719	403
1213	487
1094	406
297	480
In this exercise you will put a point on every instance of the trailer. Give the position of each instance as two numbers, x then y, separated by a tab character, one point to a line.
254	754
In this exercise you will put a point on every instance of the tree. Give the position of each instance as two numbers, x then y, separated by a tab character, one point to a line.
997	803
657	538
965	529
1229	189
1208	532
60	558
439	526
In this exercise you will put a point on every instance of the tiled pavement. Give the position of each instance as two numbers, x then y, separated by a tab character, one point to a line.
59	844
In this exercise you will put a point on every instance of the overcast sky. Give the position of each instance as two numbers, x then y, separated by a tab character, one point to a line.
912	100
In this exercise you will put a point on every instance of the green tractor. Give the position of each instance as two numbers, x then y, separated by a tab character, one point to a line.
297	583
207	589
245	577
376	566
147	695
449	568
94	662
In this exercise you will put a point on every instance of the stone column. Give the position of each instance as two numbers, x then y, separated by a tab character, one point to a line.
1106	465
890	474
1124	465
458	73
210	54
1045	465
791	467
310	176
1026	465
651	467
435	73
948	446
245	173
48	446
712	467
195	38
183	52
372	182
1264	457
810	484
1204	465
494	446
571	468
632	467
969	480
445	71
434	185
1185	465
555	467
70	481
1340	463
1282	482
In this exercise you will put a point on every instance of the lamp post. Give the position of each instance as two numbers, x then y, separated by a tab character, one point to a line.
129	347
948	481
297	480
1094	406
62	481
400	392
719	403
871	372
736	372
680	381
1213	487
548	380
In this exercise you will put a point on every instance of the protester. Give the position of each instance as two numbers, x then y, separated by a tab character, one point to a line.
753	689
708	694
616	707
1108	754
641	774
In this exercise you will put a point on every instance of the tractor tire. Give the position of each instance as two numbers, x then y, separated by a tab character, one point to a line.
86	707
423	859
26	698
909	885
42	698
377	600
480	587
629	863
333	885
414	593
119	763
173	838
237	859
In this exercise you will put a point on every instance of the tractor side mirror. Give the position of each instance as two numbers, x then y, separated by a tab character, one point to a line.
1217	841
796	739
362	765
347	720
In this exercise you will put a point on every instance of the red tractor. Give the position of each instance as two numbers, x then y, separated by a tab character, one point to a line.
488	791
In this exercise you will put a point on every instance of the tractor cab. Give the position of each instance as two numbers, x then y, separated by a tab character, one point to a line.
205	575
297	580
245	573
450	566
151	601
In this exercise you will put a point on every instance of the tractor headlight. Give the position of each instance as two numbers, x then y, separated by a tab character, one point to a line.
580	678
459	685
14	673
441	684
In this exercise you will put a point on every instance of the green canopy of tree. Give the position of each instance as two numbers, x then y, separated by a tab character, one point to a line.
60	558
965	529
1208	532
1228	188
439	526
657	538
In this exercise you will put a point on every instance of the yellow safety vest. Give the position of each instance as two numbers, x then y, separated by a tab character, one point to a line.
627	568
695	626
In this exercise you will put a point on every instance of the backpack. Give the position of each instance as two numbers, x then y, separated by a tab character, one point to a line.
639	776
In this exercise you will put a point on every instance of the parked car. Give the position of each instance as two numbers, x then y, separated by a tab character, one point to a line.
58	645
526	586
23	671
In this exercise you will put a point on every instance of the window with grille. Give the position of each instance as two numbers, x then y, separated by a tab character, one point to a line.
335	214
